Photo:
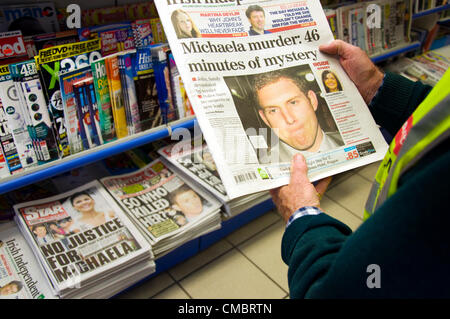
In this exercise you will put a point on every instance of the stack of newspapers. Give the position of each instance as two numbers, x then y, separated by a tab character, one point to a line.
427	68
84	243
168	209
193	160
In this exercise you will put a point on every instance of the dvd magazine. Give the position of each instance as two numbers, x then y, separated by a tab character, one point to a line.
84	243
167	209
263	93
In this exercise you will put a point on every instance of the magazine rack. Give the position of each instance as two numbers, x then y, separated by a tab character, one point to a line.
42	172
431	11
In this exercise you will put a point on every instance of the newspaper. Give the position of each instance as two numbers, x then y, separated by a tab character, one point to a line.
160	202
192	159
427	68
262	91
81	237
195	160
20	274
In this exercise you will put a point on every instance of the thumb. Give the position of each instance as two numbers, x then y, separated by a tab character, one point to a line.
337	47
330	48
299	170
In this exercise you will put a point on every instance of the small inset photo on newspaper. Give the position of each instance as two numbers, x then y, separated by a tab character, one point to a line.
283	111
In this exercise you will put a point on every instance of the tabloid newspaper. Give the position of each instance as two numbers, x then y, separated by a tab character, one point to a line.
81	238
192	158
195	160
161	203
262	91
20	274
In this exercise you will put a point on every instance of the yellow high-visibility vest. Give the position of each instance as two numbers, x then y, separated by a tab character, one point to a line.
426	127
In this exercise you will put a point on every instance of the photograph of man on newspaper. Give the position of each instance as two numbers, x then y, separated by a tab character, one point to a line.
287	101
187	201
257	18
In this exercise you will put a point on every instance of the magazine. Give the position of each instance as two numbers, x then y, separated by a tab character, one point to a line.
54	61
164	206
81	237
42	18
21	276
16	119
103	101
30	90
234	69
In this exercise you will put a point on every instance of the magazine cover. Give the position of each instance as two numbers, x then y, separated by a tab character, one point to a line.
86	109
125	91
235	67
12	46
128	70
54	61
112	40
21	276
31	91
16	119
47	40
159	201
146	91
180	99
7	144
72	113
115	93
157	30
103	101
142	31
80	236
36	18
4	170
161	68
22	106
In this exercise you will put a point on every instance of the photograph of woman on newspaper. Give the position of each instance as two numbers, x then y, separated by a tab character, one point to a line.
184	26
289	102
331	82
89	216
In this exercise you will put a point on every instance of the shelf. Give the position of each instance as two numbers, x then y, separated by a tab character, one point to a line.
431	11
396	51
42	172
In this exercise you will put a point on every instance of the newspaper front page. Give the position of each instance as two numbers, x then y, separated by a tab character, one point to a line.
195	160
159	202
80	236
20	274
262	91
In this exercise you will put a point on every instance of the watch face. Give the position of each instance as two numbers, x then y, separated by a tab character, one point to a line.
32	97
35	107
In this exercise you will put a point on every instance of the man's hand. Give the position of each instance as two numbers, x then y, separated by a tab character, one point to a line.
361	70
300	192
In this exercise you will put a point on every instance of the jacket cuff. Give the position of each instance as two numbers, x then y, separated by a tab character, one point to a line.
300	226
397	90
